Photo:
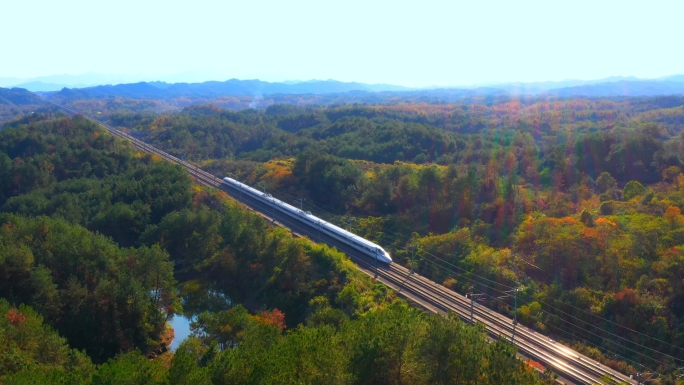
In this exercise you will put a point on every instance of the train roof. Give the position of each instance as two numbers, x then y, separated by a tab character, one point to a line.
311	216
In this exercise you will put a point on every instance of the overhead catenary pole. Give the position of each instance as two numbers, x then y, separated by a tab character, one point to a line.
515	314
473	297
640	377
413	251
515	309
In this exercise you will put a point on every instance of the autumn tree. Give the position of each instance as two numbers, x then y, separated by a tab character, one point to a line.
674	216
670	174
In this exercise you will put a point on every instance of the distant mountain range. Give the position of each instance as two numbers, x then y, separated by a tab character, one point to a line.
46	87
575	87
162	90
534	88
611	87
91	79
623	88
15	102
349	92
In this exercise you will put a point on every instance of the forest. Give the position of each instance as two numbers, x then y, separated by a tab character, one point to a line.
577	202
100	245
16	102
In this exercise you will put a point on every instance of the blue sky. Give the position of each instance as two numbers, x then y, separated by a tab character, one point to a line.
416	43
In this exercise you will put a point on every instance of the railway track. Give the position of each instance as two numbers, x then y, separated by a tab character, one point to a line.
570	365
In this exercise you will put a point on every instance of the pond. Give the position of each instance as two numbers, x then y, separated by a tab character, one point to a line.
197	297
181	329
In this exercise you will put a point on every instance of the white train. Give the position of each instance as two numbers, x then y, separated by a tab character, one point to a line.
352	240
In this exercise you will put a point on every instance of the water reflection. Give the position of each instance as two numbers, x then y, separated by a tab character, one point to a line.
197	296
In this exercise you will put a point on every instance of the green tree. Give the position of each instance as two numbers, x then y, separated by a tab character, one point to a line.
130	369
32	352
225	328
101	298
437	351
188	366
605	182
381	344
670	173
632	189
586	218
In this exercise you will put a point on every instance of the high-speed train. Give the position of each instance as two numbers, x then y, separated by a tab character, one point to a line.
352	240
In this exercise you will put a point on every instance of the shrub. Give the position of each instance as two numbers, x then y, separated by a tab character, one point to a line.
607	208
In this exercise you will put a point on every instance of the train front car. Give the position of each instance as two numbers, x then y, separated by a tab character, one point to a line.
382	255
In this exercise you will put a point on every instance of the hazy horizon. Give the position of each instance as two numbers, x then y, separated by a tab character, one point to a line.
196	77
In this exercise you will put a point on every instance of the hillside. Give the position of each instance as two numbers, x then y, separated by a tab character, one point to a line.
15	102
578	201
95	237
